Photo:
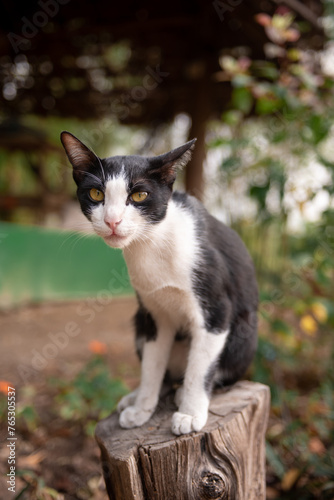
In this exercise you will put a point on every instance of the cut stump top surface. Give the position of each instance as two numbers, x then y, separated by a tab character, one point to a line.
225	404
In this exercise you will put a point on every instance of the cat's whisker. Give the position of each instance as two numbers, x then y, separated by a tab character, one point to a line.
79	225
75	237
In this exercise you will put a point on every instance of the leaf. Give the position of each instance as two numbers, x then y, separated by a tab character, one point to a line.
279	325
231	163
289	479
294	54
33	460
231	118
218	141
316	446
308	324
260	194
242	99
265	69
268	104
242	81
279	136
319	311
90	428
319	128
30	417
271	493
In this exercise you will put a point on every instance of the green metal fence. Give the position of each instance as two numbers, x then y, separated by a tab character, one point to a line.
38	264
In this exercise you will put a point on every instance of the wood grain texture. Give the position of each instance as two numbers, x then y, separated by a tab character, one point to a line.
226	460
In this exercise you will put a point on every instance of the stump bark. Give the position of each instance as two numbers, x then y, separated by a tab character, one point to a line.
226	460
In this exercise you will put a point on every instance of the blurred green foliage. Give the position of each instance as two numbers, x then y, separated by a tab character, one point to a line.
277	143
90	396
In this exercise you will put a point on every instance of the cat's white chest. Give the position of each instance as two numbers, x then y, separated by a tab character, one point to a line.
165	259
149	275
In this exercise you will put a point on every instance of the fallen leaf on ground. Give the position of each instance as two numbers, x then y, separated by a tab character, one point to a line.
32	461
271	493
316	446
289	479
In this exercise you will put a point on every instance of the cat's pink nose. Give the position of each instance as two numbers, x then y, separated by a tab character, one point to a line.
113	224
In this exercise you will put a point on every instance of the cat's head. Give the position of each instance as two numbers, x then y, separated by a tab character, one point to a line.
123	196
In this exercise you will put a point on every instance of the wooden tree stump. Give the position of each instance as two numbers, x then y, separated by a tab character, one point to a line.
226	460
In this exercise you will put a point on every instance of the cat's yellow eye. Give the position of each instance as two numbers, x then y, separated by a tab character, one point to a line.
140	196
96	194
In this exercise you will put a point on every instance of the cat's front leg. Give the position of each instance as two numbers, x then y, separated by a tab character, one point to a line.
154	363
127	400
194	397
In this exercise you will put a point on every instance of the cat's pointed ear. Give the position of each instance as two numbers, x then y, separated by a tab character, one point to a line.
81	157
167	164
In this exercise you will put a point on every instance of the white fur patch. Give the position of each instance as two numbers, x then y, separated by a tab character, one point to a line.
116	195
164	258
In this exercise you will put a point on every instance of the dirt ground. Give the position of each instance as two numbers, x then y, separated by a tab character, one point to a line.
52	339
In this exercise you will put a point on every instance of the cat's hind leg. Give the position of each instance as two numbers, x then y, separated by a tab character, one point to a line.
195	394
178	396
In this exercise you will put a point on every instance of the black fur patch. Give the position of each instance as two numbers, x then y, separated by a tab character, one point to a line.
225	284
181	335
145	325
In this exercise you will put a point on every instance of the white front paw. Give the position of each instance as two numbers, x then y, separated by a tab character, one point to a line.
127	400
182	423
134	417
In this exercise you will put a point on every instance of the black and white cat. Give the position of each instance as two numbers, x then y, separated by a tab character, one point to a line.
193	276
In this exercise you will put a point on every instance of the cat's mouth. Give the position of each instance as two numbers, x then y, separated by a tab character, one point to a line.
115	235
115	240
